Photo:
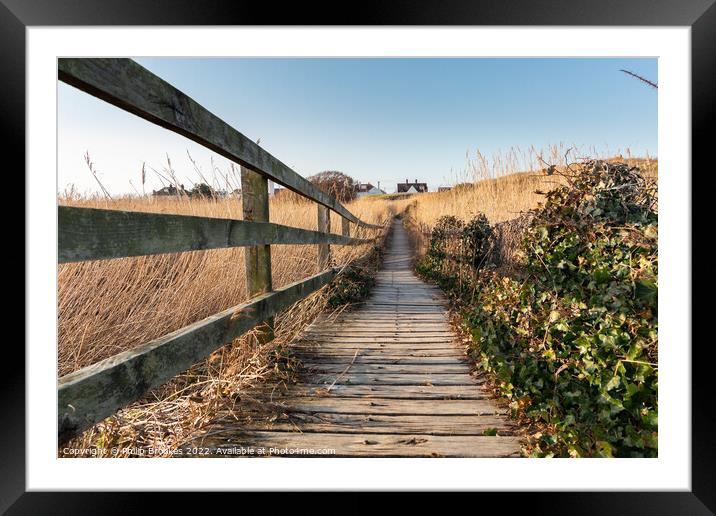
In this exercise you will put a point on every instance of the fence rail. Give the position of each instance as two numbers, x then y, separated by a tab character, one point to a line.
130	86
97	234
89	395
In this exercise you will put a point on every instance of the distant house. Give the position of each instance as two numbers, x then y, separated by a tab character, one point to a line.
170	190
444	188
363	189
412	187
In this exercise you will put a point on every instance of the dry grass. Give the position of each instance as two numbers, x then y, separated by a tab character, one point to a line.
109	306
502	188
105	307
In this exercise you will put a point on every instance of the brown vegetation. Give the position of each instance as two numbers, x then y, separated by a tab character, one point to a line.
105	307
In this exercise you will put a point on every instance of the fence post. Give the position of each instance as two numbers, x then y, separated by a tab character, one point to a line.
255	204
345	227
324	226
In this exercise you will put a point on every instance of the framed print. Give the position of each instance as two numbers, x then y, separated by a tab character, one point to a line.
422	251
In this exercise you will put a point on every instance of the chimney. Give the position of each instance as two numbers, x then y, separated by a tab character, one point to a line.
406	180
416	181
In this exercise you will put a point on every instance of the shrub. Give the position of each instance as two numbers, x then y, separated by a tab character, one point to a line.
476	240
446	228
203	190
335	183
353	285
572	340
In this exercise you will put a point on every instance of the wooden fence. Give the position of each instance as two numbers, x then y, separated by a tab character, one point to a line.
89	395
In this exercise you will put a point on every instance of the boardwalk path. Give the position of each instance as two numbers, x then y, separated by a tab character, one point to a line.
384	379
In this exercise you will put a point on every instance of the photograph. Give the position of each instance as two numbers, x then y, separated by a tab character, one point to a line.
440	248
357	257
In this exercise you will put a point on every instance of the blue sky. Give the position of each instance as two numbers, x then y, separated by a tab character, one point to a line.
374	119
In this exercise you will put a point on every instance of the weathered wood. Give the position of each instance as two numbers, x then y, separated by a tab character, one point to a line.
324	226
417	392
391	353
374	346
387	339
95	392
386	335
391	379
376	329
313	405
375	383
390	304
97	234
324	368
377	424
345	227
311	359
133	88
255	206
405	318
366	445
356	318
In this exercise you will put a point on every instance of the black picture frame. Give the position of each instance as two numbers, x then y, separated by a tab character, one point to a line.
700	15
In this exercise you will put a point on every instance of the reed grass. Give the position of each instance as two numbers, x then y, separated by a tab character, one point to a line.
109	306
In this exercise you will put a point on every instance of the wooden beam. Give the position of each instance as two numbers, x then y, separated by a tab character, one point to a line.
255	203
324	226
89	395
129	86
97	234
345	227
365	445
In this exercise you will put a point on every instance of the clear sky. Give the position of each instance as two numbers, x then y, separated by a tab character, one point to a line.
375	119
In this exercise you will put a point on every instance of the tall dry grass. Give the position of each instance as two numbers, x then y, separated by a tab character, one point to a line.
507	185
109	306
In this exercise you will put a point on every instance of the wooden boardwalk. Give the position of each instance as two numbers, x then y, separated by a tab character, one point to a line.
383	379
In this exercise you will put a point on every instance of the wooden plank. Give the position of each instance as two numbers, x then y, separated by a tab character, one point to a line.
384	406
255	207
388	333
95	392
371	347
365	445
377	424
97	234
432	368
416	310
403	303
133	88
381	329
393	351
390	379
309	359
387	322
388	353
385	339
404	319
418	392
380	324
324	226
